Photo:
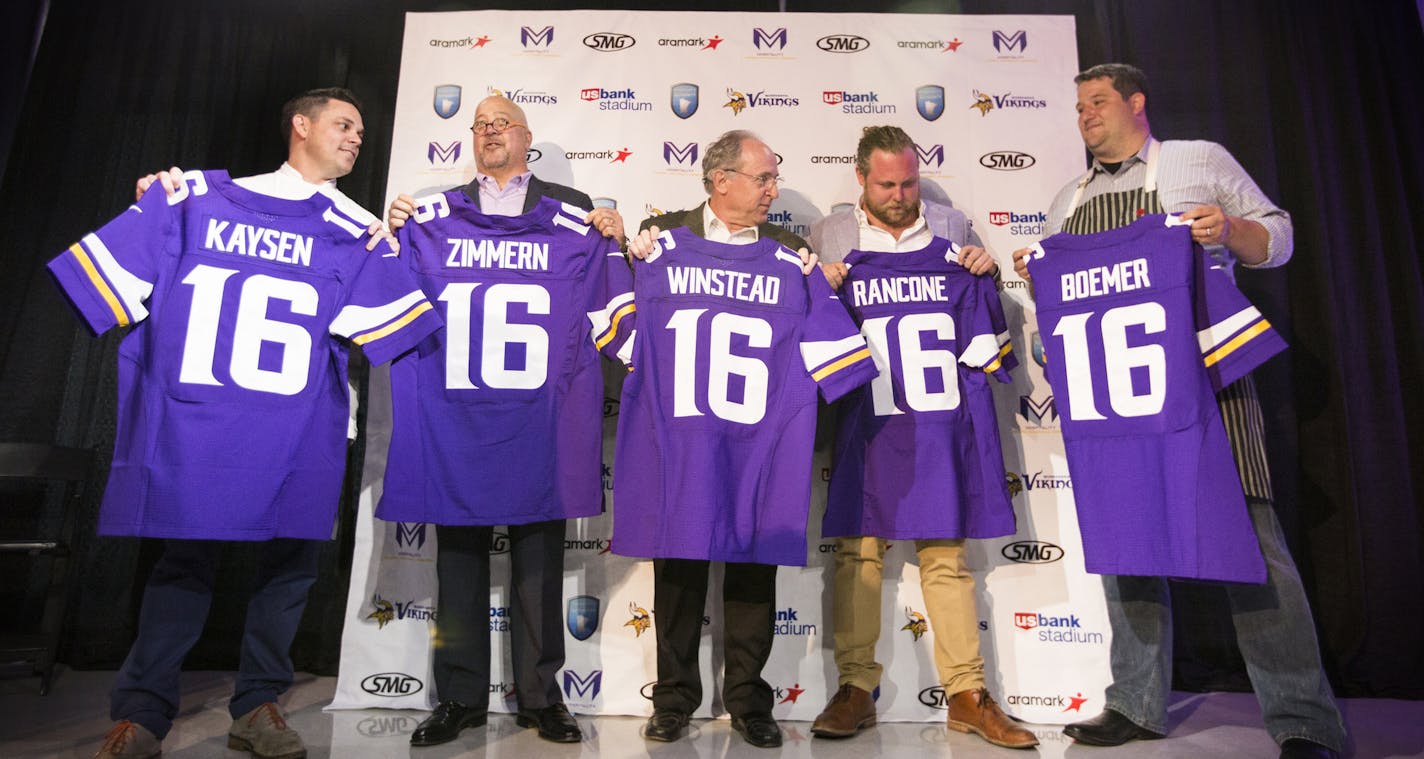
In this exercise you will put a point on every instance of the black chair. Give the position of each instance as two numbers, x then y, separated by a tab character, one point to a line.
71	469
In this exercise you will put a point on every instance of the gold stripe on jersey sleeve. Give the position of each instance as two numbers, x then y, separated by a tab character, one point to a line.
612	330
1236	342
998	361
840	364
97	279
409	317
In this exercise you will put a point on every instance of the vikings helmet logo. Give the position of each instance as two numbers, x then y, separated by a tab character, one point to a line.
384	612
641	620
736	101
1014	482
983	102
917	624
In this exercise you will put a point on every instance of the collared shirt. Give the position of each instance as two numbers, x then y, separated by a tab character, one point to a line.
288	183
503	201
1190	173
716	231
914	237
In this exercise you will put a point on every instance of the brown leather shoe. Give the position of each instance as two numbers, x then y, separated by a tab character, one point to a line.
974	711
848	712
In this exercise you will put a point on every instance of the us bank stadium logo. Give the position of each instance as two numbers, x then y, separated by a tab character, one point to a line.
917	625
769	43
607	156
929	101
1072	703
683	98
679	159
499	619
581	616
933	46
639	619
392	684
447	100
1009	45
536	41
1023	224
787	695
787	221
1065	630
788	623
1040	413
856	102
1032	552
985	102
739	101
525	97
843	43
1040	481
693	42
609	42
615	100
461	43
607	484
443	155
1007	160
582	688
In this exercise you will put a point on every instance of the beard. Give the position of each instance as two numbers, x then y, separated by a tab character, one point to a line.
893	214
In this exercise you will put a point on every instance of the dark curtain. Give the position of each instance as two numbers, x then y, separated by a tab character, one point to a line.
1322	103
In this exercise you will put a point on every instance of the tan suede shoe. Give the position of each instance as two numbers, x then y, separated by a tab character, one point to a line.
849	711
974	711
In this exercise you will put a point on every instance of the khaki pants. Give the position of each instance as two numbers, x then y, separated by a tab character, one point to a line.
948	588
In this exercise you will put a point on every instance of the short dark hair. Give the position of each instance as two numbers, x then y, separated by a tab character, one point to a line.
891	139
1126	78
723	153
311	102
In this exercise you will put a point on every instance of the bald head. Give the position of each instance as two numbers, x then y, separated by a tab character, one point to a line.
503	154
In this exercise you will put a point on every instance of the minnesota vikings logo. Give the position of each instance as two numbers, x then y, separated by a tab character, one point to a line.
497	92
917	624
983	102
736	101
384	612
641	620
653	210
1015	484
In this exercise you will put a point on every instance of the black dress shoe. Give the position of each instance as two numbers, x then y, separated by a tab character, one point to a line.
759	729
666	725
554	723
445	723
1109	729
1301	748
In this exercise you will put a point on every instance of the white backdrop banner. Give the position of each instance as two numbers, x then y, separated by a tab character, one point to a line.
621	106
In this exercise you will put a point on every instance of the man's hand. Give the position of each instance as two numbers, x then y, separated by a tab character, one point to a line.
1210	225
641	246
378	233
607	221
835	274
401	209
977	260
808	260
170	180
1021	264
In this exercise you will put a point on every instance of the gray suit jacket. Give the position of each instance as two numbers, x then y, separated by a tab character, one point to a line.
839	233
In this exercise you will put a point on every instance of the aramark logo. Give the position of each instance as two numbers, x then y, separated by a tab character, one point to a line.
986	102
739	101
609	42
1010	45
1028	224
769	41
692	43
832	159
1039	480
1006	160
611	156
526	97
934	46
788	695
843	43
788	624
599	545
856	102
1039	413
463	42
615	100
1064	629
536	39
581	688
1032	552
1069	703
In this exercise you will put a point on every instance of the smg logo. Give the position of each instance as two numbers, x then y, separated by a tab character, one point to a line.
1032	552
934	697
843	43
769	40
609	42
530	37
391	684
1006	160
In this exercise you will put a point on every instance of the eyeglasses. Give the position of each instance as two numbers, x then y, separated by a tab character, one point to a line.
762	181
498	126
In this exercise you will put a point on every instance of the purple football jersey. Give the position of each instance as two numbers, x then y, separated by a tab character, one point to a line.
1139	331
717	419
500	420
232	387
917	450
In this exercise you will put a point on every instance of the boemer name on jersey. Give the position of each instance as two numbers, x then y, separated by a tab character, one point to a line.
910	289
722	283
234	237
1121	277
497	254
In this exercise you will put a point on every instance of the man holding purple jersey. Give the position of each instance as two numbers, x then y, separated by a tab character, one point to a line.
891	217
1133	174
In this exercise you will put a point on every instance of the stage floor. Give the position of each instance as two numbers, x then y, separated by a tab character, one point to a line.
72	719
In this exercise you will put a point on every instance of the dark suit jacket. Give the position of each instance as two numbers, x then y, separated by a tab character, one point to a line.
693	221
538	188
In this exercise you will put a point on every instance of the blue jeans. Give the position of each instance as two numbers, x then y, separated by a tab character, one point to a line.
175	607
1274	630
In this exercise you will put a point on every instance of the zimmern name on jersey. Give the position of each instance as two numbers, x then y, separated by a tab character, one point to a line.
737	285
497	254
